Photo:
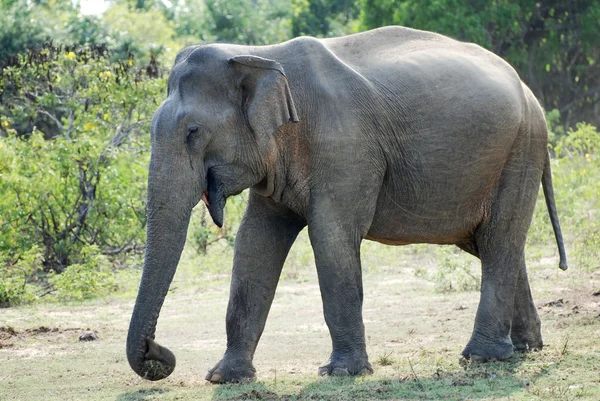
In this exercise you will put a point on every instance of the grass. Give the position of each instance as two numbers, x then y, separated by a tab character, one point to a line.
414	334
385	359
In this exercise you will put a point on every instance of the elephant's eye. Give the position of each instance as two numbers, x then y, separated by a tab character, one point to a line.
193	139
192	131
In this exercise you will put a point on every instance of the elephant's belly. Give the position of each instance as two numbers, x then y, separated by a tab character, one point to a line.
402	222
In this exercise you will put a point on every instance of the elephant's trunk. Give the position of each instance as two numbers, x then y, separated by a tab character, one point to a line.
166	238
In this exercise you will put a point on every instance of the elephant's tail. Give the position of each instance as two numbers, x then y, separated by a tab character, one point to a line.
549	195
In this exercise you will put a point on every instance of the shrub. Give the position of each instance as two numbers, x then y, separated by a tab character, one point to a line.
17	276
74	147
74	153
90	277
583	141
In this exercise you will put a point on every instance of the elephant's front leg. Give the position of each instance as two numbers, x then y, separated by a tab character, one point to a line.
262	243
337	254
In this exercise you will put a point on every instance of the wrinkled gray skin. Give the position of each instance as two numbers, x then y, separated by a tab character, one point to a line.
393	135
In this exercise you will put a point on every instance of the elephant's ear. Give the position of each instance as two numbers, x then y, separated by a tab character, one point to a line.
266	98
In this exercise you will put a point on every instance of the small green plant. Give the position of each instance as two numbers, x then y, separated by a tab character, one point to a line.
456	271
586	251
17	277
386	359
584	140
564	347
89	278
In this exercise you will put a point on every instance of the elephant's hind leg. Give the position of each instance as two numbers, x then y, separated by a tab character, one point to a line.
491	333
525	330
500	243
526	326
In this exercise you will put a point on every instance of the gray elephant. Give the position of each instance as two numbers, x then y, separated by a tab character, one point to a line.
394	135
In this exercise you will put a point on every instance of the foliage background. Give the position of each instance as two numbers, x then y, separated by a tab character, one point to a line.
77	93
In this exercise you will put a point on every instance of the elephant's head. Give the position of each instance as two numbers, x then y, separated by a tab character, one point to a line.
211	138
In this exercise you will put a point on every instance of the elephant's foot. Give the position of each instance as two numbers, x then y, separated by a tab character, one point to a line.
480	349
526	332
346	365
527	341
228	370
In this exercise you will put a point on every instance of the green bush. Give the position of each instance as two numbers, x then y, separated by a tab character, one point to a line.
74	154
17	277
74	151
28	25
92	276
17	33
583	141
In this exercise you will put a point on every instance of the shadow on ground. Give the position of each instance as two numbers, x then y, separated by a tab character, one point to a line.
142	395
473	382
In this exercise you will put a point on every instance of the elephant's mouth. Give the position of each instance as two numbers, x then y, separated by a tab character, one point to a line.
214	199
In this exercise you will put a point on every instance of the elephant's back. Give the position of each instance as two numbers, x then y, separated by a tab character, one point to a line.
383	42
399	51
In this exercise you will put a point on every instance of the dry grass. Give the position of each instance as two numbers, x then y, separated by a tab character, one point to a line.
414	334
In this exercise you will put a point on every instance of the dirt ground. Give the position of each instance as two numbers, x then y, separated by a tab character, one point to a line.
415	336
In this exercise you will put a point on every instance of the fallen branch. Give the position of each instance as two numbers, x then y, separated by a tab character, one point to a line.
127	247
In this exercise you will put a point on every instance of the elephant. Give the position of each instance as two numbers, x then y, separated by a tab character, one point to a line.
393	135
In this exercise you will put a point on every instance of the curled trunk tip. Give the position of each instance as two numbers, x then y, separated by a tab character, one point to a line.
156	363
